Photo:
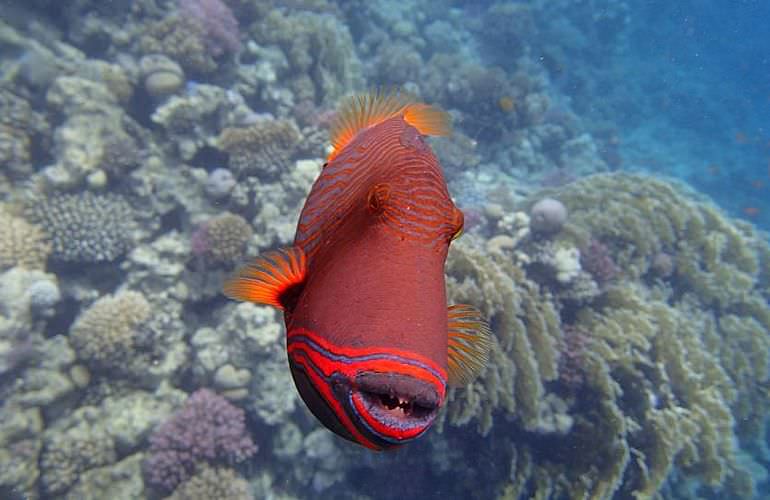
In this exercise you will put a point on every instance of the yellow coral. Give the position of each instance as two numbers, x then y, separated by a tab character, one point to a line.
22	244
105	334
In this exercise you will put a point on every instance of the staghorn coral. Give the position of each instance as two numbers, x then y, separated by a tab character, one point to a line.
207	429
84	227
105	335
21	244
213	482
264	148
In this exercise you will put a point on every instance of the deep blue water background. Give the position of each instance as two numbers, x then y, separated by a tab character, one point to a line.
702	72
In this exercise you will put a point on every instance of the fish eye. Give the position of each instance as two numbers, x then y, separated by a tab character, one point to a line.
377	197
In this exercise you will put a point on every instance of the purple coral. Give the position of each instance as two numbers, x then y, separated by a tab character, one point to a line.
218	22
206	429
573	348
595	258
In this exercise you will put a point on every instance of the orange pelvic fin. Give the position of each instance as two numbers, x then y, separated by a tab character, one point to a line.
468	345
271	279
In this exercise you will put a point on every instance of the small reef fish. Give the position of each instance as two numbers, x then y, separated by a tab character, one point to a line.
751	211
371	342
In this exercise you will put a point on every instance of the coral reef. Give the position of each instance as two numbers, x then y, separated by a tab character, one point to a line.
222	239
213	482
664	367
21	244
148	146
264	148
206	429
85	227
105	336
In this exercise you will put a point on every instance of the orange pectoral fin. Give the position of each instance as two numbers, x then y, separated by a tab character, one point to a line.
272	279
468	345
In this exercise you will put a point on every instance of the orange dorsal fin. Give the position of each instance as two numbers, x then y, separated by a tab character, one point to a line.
428	120
271	279
364	110
468	344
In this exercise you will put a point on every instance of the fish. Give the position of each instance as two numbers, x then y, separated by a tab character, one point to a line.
751	211
371	342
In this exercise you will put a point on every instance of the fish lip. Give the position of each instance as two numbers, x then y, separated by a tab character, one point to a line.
398	400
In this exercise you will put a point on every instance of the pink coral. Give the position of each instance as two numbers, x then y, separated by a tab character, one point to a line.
218	22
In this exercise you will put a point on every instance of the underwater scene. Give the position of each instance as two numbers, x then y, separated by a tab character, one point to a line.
381	249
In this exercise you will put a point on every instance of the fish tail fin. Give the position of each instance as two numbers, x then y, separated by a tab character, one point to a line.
470	340
428	120
272	279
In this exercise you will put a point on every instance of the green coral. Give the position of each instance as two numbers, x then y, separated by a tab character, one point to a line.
672	367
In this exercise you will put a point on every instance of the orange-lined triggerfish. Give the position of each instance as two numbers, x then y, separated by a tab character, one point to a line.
371	342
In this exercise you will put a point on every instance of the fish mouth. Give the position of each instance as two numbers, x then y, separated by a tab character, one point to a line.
399	406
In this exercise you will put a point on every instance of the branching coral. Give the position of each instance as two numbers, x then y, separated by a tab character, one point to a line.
527	325
206	430
668	369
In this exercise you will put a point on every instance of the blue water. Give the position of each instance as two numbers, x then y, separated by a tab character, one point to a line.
148	148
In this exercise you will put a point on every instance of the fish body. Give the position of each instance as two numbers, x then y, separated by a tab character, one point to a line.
371	342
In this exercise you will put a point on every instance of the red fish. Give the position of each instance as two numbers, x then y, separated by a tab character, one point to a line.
371	342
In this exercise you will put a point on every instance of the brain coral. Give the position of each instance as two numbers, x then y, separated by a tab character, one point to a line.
104	335
266	147
85	227
669	367
21	244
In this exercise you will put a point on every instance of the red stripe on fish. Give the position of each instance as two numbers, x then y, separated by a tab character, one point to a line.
340	374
